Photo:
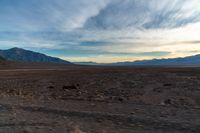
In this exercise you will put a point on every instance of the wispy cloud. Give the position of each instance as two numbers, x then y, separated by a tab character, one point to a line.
149	14
47	15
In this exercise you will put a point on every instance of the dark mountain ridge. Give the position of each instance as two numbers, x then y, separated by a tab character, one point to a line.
22	55
184	61
189	60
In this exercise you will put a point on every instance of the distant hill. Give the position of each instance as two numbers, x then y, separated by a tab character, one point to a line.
22	55
185	61
87	63
189	60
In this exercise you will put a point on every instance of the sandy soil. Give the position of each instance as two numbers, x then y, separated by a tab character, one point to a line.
100	100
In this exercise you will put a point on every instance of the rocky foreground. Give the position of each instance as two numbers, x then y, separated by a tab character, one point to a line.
100	100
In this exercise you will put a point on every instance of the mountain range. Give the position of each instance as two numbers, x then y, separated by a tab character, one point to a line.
22	55
185	61
189	60
87	63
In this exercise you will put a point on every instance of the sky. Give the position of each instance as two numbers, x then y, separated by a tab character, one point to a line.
102	31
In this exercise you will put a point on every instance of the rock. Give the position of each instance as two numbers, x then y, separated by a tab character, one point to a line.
121	99
168	102
69	87
167	85
51	87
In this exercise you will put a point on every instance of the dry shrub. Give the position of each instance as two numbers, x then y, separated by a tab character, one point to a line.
78	130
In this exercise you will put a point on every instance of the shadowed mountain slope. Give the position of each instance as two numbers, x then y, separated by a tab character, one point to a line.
22	55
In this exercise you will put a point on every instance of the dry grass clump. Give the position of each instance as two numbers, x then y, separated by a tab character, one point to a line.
78	130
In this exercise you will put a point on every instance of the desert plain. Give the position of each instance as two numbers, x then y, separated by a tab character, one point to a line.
92	99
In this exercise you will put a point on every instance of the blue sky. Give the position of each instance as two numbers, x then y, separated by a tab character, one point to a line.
102	30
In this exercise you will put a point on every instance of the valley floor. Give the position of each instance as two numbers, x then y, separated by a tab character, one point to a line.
100	100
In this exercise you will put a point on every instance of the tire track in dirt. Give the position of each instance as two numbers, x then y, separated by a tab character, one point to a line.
130	121
25	124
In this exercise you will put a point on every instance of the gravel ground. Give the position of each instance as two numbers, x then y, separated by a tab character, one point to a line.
100	100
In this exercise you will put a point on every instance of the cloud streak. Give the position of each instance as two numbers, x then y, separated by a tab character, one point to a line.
146	14
48	15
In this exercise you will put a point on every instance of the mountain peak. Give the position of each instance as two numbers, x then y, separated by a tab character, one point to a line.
16	48
19	54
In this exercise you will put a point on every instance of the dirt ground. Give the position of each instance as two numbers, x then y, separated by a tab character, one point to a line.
100	100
